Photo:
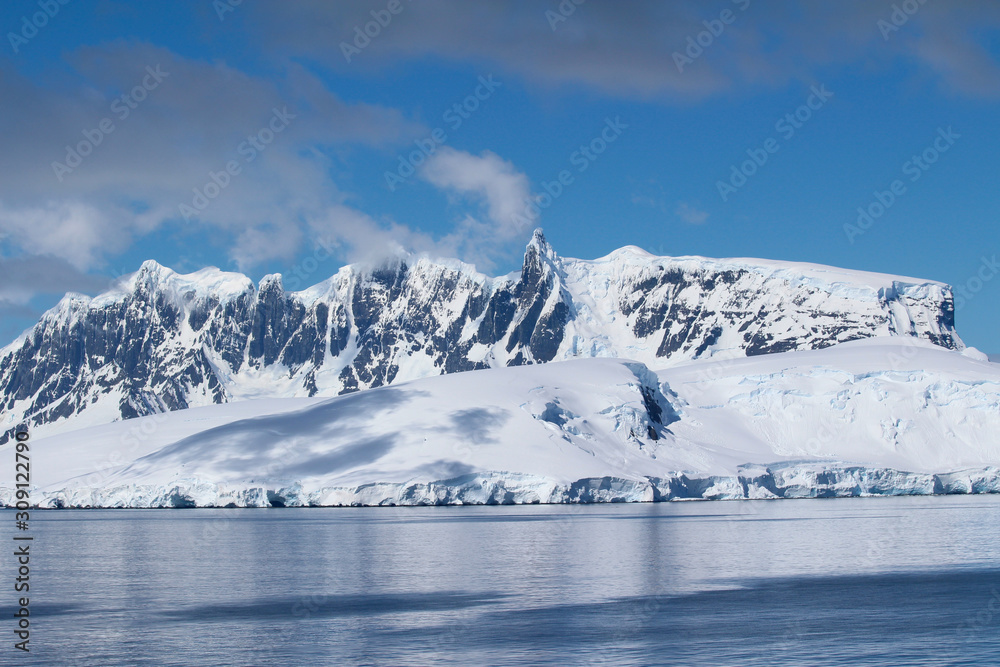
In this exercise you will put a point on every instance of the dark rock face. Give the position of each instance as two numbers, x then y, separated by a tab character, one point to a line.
166	342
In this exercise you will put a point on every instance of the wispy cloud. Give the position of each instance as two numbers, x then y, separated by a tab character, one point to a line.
691	215
134	178
485	178
622	48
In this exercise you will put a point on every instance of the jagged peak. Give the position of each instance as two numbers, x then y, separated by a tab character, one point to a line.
387	258
539	260
71	301
153	277
394	262
151	266
540	245
272	281
271	277
71	304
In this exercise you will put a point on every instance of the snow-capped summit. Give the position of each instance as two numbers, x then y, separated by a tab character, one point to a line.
163	340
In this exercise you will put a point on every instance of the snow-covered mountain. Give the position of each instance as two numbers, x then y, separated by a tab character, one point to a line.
163	341
889	415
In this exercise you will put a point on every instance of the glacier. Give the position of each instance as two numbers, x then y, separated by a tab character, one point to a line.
882	415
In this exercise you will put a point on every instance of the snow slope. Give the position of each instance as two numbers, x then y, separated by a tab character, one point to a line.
878	416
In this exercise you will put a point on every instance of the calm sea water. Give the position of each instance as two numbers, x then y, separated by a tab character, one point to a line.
888	581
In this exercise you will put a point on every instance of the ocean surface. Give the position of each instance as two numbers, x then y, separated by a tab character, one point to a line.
879	581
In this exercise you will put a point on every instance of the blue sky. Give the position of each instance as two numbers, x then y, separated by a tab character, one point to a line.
329	128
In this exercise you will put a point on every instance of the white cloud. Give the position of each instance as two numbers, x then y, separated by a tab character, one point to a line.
23	277
690	214
258	244
363	238
485	178
134	179
77	232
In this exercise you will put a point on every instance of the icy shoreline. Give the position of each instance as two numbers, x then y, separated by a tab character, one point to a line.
753	483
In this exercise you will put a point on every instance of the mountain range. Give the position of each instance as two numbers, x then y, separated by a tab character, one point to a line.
161	341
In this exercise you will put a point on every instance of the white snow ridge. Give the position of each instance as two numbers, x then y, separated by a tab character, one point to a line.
887	415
